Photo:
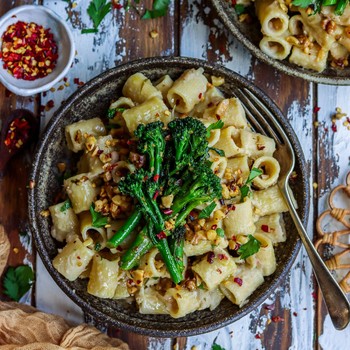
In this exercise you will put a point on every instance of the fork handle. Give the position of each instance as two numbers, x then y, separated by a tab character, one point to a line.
336	301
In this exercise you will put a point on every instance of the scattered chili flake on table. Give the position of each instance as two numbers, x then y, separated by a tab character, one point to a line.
277	319
17	134
28	50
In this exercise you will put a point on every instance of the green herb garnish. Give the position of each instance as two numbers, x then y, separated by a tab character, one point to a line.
18	281
245	189
97	10
240	9
159	9
66	205
249	248
217	125
220	232
217	347
220	152
205	213
98	220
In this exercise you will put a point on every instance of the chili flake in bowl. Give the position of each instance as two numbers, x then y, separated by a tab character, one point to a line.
28	50
36	49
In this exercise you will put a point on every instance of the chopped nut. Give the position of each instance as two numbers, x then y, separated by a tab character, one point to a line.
153	34
45	213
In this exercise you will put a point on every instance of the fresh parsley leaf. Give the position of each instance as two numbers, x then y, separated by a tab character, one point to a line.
98	220
97	10
303	3
205	213
217	347
201	286
66	205
220	232
240	9
245	189
159	9
217	125
249	248
220	152
18	281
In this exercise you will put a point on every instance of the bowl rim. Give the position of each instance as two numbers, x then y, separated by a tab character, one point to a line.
185	63
64	25
294	71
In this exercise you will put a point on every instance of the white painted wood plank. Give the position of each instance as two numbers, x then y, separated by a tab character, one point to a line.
337	151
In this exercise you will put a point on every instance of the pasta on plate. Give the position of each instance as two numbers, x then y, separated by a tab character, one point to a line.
305	37
183	245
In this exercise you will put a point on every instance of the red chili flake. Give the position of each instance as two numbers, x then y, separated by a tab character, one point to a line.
334	127
130	282
222	257
270	307
130	142
314	295
265	228
326	129
76	81
156	178
193	215
257	336
167	211
156	194
316	109
234	238
17	134
200	95
277	319
99	152
231	207
118	6
219	270
237	246
260	147
218	117
234	2
138	281
238	280
348	119
50	104
161	235
210	257
78	257
214	227
295	314
28	50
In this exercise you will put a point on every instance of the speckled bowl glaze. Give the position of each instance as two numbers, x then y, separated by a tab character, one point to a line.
250	34
92	100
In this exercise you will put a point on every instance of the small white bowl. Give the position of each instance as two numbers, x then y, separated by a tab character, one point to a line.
62	36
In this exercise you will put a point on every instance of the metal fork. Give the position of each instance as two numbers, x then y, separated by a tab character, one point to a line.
337	304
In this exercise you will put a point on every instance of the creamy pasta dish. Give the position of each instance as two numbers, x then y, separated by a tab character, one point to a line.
311	36
174	203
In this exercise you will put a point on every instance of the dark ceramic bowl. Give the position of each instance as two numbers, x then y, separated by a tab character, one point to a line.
92	100
250	35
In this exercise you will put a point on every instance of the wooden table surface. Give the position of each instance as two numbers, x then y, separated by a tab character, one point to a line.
192	29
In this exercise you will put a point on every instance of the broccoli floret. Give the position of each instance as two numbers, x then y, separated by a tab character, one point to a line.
137	185
204	186
189	140
151	142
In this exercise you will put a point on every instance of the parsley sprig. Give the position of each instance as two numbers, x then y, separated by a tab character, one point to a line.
245	189
18	281
340	5
97	10
98	220
249	248
159	9
206	212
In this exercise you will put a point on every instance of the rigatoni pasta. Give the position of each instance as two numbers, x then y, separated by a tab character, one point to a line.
312	37
223	247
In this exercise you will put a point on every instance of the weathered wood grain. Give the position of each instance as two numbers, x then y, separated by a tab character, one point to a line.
13	193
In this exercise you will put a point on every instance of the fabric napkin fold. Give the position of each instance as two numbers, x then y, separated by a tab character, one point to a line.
22	327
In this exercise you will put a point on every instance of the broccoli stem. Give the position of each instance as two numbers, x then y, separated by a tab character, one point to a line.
129	225
176	246
139	247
